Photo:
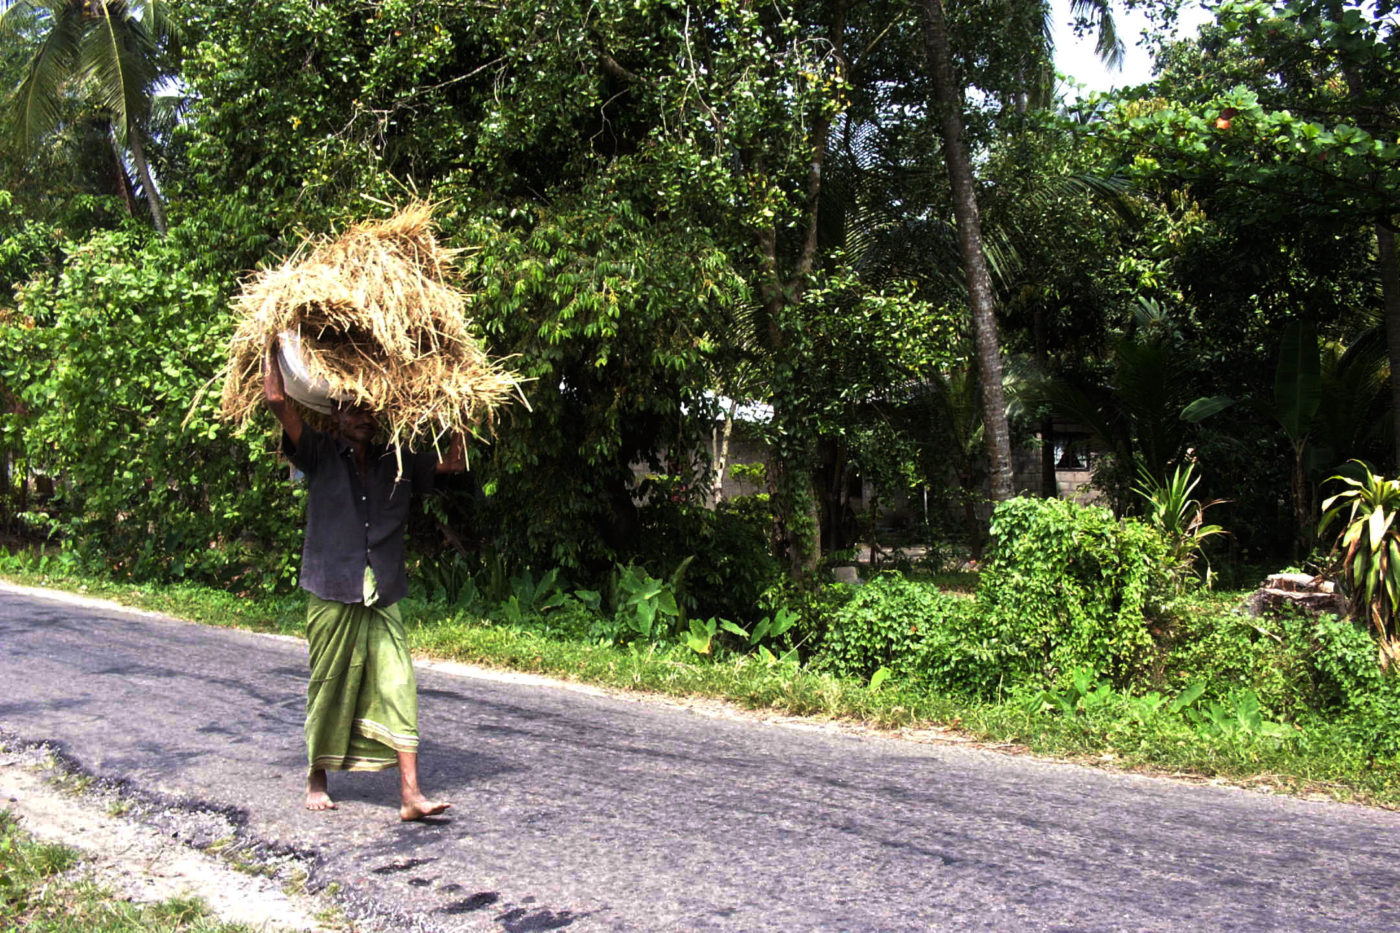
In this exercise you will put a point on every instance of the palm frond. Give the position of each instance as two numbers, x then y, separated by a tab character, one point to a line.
35	108
168	108
162	24
117	57
1111	194
21	19
1108	46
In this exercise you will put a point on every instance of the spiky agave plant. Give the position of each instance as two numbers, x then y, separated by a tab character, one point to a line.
1172	511
1369	546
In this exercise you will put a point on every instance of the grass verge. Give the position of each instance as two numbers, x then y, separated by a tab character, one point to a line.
43	888
1121	734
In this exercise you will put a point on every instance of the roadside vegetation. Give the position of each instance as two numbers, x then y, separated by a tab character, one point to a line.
873	247
44	888
1080	640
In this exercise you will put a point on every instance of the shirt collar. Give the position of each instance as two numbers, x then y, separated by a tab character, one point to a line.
374	452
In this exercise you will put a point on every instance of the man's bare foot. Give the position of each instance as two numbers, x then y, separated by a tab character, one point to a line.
418	806
316	796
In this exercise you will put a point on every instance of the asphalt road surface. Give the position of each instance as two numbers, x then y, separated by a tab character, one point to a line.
584	812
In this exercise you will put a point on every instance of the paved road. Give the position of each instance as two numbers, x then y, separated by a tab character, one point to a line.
590	813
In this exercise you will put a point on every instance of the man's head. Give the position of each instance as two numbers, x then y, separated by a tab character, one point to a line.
356	423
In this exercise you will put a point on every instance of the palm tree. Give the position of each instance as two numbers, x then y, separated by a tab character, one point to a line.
114	53
948	102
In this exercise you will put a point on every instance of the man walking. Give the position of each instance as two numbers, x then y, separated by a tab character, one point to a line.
362	698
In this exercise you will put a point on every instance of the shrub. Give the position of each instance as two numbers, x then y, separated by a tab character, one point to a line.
892	622
731	561
1372	723
1066	586
1369	543
1298	663
106	359
1343	664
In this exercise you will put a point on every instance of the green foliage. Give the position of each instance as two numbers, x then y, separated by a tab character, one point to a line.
112	55
1067	586
769	633
530	598
121	344
610	314
1317	132
1298	382
1369	542
1177	516
1136	419
640	609
1239	719
887	624
643	607
1316	671
731	559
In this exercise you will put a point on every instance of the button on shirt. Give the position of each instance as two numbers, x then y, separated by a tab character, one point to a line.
354	522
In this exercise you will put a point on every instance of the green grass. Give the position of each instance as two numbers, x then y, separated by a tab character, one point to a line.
43	890
1317	758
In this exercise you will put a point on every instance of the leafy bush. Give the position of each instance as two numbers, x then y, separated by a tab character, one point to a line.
1178	517
106	359
889	623
731	559
1300	666
1343	664
1068	586
1238	719
1370	550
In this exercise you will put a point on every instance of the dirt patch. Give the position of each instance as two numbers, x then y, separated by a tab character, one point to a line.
141	863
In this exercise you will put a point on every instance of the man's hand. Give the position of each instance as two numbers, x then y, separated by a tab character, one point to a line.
275	394
455	460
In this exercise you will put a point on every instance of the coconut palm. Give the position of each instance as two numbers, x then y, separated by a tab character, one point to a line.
948	102
113	53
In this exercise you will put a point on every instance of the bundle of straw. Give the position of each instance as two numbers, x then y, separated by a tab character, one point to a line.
381	324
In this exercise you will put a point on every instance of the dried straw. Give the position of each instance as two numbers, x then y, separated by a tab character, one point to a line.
382	323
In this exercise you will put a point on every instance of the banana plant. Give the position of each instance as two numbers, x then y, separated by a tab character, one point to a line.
1369	545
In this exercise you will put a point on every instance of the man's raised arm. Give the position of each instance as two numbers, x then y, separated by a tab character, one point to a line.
275	394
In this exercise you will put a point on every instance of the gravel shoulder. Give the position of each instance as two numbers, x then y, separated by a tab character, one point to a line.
138	862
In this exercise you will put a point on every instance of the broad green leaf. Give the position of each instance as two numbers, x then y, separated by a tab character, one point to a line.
1203	408
1298	379
732	629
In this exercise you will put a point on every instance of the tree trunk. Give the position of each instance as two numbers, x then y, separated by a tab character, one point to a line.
1049	487
1390	297
1304	519
948	103
791	483
123	182
138	158
721	461
796	528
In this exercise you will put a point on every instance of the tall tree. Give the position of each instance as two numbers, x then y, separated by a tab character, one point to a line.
114	53
948	90
1286	110
948	103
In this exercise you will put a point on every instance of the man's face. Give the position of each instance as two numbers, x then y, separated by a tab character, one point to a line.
355	422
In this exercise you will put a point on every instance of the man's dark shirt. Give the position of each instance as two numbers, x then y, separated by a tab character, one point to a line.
350	522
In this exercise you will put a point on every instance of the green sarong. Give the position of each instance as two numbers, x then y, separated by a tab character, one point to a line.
362	699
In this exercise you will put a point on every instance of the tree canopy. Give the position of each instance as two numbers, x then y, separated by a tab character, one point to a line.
662	204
